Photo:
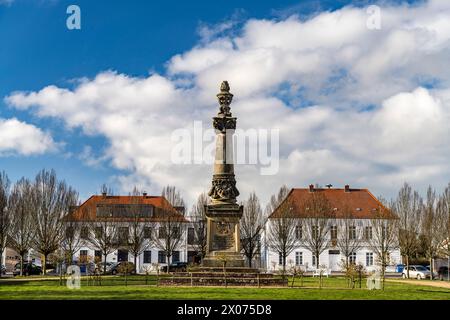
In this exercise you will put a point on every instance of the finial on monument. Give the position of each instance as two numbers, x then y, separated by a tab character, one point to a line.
225	98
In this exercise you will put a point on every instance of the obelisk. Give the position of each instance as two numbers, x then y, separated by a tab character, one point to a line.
223	214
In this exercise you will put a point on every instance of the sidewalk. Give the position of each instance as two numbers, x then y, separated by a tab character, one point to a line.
434	283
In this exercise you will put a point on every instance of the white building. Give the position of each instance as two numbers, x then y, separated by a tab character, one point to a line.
104	210
358	204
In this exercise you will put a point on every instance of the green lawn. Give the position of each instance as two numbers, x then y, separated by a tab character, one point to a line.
114	288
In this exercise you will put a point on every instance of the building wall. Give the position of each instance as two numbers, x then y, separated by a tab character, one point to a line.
332	262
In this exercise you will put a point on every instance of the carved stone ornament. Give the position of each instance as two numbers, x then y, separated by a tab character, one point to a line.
224	228
225	98
224	189
222	124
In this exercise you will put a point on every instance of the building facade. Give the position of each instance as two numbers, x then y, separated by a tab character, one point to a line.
348	225
153	216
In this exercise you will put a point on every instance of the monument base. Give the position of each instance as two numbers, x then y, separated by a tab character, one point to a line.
223	245
217	259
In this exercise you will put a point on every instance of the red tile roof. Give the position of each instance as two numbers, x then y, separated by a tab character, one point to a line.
362	203
88	209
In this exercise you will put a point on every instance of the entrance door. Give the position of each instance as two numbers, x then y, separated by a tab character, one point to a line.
333	260
122	255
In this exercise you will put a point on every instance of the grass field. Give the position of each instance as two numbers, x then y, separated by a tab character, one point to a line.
114	288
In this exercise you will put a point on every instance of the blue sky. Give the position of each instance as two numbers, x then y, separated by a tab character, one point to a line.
134	38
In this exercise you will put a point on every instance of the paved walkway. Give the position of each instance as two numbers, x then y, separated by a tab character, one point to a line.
435	283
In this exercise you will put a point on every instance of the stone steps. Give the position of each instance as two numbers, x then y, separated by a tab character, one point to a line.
220	274
222	281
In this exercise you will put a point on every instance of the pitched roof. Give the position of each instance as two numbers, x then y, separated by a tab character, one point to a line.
89	209
361	202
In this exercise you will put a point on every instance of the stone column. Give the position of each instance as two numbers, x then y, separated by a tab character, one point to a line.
224	213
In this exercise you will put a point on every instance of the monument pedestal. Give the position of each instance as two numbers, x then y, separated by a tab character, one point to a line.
223	240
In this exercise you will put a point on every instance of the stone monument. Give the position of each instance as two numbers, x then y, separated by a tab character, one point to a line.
223	214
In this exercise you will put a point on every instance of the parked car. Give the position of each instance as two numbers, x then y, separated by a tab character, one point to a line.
118	267
417	272
27	270
443	273
175	267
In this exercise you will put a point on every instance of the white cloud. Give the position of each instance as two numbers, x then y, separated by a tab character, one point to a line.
18	137
351	103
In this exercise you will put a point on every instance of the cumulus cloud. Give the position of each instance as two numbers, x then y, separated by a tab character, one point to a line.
353	105
18	137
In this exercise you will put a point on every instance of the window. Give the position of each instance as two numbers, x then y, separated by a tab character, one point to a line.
191	236
175	256
69	232
162	233
98	232
122	255
315	232
352	258
84	233
368	233
333	232
298	258
314	260
83	256
147	232
280	259
369	259
299	232
147	256
161	257
123	235
352	233
97	256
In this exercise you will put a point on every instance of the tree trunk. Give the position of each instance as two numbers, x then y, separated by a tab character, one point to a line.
22	257
1	261
407	267
249	258
135	263
44	264
167	259
284	265
104	263
431	268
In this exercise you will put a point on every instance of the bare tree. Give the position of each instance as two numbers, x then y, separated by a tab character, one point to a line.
51	200
167	232
282	225
431	227
317	210
444	214
384	237
103	233
75	233
198	218
140	228
348	235
173	196
5	215
408	208
251	226
22	224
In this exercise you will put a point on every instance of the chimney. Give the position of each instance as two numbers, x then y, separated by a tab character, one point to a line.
311	188
347	188
144	194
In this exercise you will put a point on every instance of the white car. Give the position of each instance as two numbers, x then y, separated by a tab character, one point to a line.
416	272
